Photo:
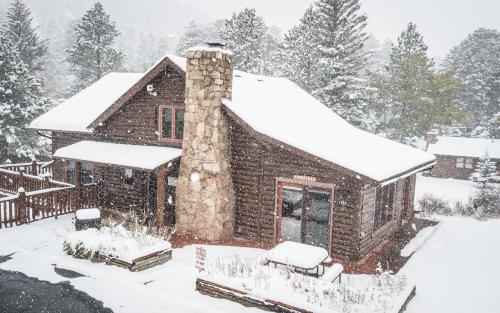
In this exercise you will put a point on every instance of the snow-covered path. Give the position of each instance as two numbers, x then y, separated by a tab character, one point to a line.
458	269
37	249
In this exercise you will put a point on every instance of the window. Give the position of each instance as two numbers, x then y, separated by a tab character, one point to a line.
384	205
70	171
469	163
171	122
460	162
129	176
87	173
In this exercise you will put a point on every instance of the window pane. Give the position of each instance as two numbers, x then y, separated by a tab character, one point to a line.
469	163
291	214
179	123
166	123
318	219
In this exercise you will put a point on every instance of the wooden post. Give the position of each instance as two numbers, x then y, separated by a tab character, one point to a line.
78	185
34	170
21	215
160	196
21	181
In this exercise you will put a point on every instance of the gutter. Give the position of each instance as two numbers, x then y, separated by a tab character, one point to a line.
417	170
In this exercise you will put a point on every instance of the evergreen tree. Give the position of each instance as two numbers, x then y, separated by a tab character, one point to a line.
410	43
244	35
485	172
20	102
93	54
20	31
411	95
298	53
475	61
341	38
193	35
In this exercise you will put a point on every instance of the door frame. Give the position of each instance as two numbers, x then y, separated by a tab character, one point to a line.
296	183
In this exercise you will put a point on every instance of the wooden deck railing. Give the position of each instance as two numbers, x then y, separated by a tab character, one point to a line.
11	181
33	168
26	207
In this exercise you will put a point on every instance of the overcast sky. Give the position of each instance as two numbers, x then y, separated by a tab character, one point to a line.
444	23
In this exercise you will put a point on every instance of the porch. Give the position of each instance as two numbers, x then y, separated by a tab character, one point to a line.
27	198
130	178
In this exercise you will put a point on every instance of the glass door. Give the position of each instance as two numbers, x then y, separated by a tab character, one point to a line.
304	214
317	219
291	214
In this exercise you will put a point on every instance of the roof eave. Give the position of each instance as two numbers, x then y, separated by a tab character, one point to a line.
274	142
152	73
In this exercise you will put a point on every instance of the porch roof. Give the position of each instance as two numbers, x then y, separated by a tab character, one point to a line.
124	155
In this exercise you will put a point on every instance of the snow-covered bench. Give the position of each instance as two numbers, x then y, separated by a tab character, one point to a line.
333	273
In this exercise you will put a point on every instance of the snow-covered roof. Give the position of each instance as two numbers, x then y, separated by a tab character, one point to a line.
131	156
468	147
275	107
280	109
79	111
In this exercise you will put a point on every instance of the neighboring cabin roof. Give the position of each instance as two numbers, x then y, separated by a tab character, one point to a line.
280	109
131	156
79	111
467	147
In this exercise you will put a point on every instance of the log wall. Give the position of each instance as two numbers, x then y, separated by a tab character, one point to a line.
446	168
135	123
255	169
370	238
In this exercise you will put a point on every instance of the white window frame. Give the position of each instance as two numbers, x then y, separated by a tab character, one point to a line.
469	163
460	163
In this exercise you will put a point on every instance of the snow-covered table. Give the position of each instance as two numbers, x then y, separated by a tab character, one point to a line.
301	257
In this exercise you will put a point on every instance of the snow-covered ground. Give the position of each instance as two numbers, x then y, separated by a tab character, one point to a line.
455	270
455	265
448	189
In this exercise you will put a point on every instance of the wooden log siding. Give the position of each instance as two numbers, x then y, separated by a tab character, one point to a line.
255	168
137	121
370	238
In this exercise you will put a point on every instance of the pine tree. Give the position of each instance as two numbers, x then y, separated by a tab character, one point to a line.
341	38
193	35
411	95
93	54
410	43
244	35
485	172
20	31
298	53
21	101
475	61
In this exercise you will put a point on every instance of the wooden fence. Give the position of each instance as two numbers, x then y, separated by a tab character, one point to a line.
34	168
27	207
11	181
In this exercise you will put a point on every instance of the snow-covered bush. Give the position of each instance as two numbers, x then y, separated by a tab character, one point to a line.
380	293
486	201
434	205
113	242
483	204
485	172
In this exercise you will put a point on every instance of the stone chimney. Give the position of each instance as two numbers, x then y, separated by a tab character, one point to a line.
431	137
205	195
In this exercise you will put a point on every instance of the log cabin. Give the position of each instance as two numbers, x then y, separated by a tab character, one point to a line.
221	154
457	157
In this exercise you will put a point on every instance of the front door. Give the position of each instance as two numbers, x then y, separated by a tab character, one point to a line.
304	214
